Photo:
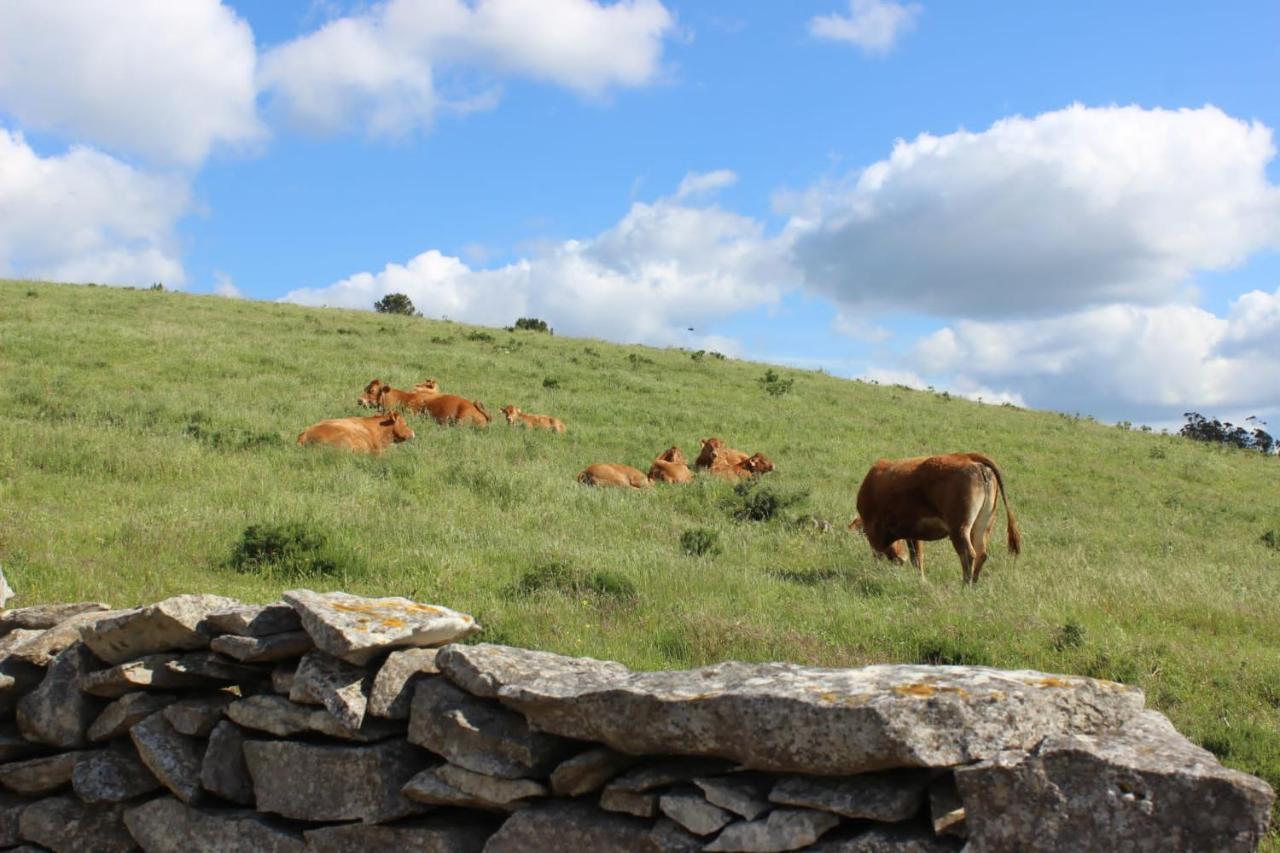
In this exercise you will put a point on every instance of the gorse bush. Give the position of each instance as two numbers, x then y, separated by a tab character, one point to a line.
395	303
773	384
700	541
550	382
292	549
752	502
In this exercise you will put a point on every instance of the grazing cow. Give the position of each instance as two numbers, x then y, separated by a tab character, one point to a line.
515	415
930	498
425	399
670	467
606	474
713	451
373	434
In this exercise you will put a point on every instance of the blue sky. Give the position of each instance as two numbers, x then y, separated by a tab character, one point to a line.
1069	206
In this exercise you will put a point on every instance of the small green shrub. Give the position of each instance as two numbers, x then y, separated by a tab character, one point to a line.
752	502
230	438
532	324
1069	636
437	339
636	360
550	382
480	337
292	549
773	384
1158	452
699	355
700	541
952	651
1271	539
555	576
395	303
157	287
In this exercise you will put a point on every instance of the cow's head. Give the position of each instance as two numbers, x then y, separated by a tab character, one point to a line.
511	412
892	549
712	443
372	394
400	429
758	464
673	455
428	386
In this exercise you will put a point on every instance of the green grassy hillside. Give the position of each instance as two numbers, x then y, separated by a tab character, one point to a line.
141	433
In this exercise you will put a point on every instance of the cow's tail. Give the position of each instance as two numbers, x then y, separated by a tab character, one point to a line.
488	419
1014	535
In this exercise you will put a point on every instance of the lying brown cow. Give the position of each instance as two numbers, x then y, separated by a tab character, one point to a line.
751	466
373	434
934	497
670	467
425	399
515	415
714	450
607	474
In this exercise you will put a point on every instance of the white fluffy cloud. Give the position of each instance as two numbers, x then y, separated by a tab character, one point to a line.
1122	361
165	80
378	68
663	268
1076	208
873	25
85	216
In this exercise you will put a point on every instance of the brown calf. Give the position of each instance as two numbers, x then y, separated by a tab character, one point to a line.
670	467
373	434
426	399
607	474
930	498
515	415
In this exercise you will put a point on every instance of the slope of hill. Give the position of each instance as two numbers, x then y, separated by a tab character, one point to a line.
141	433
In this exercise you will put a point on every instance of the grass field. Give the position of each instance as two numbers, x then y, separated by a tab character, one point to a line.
142	432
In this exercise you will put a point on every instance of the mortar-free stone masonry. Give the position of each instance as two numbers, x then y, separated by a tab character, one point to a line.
331	722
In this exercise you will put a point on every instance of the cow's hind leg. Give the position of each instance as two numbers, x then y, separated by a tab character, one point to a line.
985	521
916	547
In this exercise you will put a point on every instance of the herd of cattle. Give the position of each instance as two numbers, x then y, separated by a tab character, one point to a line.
901	503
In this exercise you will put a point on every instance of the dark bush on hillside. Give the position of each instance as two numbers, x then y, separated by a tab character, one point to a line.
395	303
533	324
1271	539
700	541
951	651
773	384
636	360
550	382
292	549
1252	437
1069	636
480	337
752	502
555	576
157	286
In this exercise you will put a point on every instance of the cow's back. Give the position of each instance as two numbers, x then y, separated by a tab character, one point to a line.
348	433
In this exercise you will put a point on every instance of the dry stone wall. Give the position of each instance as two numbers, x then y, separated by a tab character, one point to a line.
329	722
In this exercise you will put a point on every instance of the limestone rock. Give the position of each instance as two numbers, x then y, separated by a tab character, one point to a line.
783	829
46	615
223	770
17	679
273	647
392	692
164	825
839	721
149	671
588	771
662	773
282	678
427	787
216	667
57	713
575	825
744	794
490	789
629	802
13	746
885	838
946	811
356	629
67	825
276	714
1143	787
173	758
256	620
422	835
323	782
41	650
11	809
36	777
16	638
479	735
171	625
692	811
888	797
197	715
111	776
117	718
338	685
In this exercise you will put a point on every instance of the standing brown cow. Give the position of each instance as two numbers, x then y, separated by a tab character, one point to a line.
373	434
930	498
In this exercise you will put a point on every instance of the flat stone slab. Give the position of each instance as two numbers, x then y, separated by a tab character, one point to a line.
255	620
42	649
392	692
171	625
164	825
280	717
197	715
572	825
57	712
121	715
322	782
173	758
36	777
149	672
491	789
357	629
11	809
421	835
13	746
588	771
223	770
783	829
885	838
661	773
629	802
427	787
744	794
340	686
43	616
839	721
887	797
692	811
112	776
1142	788
289	645
67	825
215	667
16	638
478	734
